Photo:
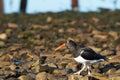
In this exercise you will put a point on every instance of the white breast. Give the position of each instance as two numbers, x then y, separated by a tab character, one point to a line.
80	59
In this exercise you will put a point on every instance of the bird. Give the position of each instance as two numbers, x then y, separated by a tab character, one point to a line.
82	54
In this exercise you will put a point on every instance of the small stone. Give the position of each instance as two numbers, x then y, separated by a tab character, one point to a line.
8	31
12	25
3	36
49	19
60	72
101	38
114	78
114	34
71	30
52	65
71	66
105	46
95	20
24	77
44	76
73	22
2	43
118	47
7	57
61	78
76	77
41	76
96	32
13	73
111	71
43	27
12	67
61	30
4	63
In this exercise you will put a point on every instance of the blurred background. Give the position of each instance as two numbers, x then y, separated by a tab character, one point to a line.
42	6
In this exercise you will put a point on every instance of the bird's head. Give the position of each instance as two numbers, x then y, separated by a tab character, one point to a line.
69	44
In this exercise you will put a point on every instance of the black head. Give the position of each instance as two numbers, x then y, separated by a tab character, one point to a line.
71	45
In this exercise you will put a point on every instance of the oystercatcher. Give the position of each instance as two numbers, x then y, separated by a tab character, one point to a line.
82	54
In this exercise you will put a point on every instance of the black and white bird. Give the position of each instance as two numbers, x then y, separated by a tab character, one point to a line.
82	54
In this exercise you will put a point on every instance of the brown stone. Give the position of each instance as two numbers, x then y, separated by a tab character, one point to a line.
44	76
4	63
115	78
12	67
52	65
2	43
60	72
61	30
24	77
76	77
49	19
72	66
114	34
101	37
111	71
44	27
12	25
3	36
71	30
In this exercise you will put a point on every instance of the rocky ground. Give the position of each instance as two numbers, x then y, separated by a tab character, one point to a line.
27	44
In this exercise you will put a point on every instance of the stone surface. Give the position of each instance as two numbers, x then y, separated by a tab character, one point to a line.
24	77
111	71
44	76
3	36
12	67
60	72
76	77
12	25
2	43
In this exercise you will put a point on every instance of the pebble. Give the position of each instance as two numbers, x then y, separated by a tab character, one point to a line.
12	25
3	36
71	66
52	65
76	77
2	43
61	30
44	76
12	67
114	34
111	71
60	72
24	77
72	30
49	19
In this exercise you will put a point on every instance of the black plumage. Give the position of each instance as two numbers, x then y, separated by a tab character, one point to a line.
87	53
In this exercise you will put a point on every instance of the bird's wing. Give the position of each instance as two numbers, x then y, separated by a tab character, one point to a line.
89	54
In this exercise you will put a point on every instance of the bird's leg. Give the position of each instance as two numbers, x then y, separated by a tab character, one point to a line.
78	72
89	69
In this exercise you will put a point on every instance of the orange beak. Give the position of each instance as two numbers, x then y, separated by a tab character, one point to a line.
60	47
